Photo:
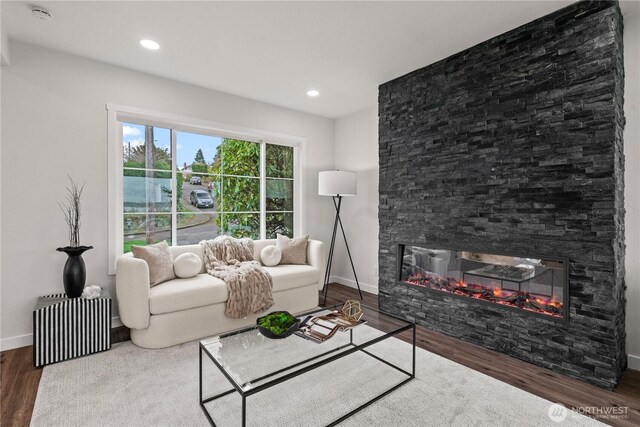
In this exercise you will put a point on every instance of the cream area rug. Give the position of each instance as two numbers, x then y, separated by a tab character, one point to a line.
132	386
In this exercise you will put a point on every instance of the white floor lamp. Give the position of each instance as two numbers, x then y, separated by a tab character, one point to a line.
337	184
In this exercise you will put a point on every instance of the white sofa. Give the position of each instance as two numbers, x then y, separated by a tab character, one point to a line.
182	310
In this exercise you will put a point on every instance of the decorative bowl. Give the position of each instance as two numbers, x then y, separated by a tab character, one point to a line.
278	324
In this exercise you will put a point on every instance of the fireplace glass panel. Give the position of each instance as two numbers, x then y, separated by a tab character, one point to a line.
532	284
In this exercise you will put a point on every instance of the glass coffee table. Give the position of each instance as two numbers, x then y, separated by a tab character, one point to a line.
252	363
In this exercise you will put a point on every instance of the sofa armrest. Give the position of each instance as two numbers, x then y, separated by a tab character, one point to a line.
316	257
132	291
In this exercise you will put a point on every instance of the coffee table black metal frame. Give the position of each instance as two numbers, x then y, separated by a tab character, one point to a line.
351	348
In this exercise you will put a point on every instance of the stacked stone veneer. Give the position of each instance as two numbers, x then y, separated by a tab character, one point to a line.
515	146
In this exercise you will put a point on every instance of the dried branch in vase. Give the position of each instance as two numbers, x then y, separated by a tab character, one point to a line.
71	211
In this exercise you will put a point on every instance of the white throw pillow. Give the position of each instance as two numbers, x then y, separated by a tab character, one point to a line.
187	265
270	256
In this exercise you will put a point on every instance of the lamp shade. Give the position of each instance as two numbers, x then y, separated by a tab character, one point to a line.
334	183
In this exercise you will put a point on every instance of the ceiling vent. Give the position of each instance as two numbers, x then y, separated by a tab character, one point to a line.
41	13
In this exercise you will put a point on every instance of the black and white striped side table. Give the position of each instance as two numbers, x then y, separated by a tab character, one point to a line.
64	328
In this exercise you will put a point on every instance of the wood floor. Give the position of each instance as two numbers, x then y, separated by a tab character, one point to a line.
539	381
20	379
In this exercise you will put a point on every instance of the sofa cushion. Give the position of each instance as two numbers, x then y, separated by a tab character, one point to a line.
259	245
294	251
270	256
176	251
183	294
292	276
187	265
159	261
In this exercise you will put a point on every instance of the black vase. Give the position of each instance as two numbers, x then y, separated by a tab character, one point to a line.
74	274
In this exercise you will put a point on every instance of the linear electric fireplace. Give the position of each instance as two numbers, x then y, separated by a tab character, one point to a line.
529	284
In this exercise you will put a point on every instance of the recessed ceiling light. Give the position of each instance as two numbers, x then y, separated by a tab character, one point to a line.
313	92
150	44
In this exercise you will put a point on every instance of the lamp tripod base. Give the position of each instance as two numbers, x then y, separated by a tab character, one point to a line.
337	203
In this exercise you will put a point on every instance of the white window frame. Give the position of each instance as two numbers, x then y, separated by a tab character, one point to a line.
117	114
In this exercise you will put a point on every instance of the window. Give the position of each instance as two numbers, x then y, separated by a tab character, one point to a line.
184	186
146	185
279	193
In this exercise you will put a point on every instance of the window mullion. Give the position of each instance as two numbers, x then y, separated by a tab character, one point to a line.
174	190
297	188
263	190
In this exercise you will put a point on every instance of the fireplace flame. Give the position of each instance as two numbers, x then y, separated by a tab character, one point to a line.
513	298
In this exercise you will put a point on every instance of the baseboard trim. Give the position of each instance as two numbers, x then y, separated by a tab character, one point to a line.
352	284
16	342
633	362
27	339
116	322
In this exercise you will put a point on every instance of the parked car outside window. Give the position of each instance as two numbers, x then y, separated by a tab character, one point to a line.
201	199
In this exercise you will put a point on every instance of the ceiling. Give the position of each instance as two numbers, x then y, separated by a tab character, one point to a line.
273	51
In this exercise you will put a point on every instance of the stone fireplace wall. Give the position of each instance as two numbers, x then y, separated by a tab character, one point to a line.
515	146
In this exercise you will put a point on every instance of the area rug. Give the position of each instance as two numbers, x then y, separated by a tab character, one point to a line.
131	386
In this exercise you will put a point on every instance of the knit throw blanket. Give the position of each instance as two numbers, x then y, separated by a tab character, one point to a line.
248	283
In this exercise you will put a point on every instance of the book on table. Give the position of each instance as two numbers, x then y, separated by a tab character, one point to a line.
321	328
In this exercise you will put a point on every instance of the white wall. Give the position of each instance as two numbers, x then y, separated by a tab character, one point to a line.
54	123
631	11
356	149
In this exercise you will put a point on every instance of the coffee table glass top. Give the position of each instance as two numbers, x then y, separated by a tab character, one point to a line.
249	359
